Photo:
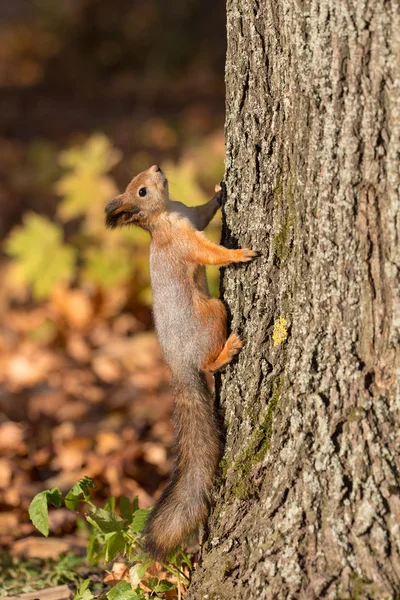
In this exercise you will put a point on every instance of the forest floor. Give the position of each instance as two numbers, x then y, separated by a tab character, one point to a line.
80	396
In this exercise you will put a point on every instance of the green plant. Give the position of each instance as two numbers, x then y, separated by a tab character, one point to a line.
21	575
113	533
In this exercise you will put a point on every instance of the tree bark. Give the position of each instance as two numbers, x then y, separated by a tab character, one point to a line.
308	501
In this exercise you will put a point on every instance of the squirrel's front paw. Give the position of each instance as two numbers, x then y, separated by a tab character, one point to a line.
246	255
218	194
234	345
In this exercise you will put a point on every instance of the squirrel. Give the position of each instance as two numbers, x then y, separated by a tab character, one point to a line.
192	331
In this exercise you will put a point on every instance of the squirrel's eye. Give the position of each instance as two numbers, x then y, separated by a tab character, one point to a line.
142	192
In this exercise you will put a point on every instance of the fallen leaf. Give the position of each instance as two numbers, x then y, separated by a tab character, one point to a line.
154	453
5	473
12	436
36	547
107	442
74	306
119	572
70	455
47	403
106	368
8	522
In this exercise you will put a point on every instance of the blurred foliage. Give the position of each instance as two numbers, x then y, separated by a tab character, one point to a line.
84	386
85	186
19	576
147	73
43	260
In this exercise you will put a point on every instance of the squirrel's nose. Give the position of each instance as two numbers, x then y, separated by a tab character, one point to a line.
154	169
113	205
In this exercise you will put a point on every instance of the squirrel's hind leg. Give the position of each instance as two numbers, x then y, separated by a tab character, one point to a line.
232	346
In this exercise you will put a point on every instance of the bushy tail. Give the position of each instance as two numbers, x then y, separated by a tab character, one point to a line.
197	448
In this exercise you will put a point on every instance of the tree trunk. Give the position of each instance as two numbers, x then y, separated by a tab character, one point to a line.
308	505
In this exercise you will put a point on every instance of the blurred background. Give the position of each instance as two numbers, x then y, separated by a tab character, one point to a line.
92	92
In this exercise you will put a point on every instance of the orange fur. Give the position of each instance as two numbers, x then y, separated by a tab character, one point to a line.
191	328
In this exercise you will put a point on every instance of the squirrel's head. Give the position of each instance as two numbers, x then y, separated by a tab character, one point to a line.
143	201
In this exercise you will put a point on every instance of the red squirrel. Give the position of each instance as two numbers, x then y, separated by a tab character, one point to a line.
191	328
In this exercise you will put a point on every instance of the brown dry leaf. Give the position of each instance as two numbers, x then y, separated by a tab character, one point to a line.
93	394
65	431
119	572
100	334
5	473
29	366
112	475
73	381
12	436
125	324
62	520
74	306
140	352
70	455
11	495
8	522
65	480
74	410
47	403
41	457
57	592
172	595
129	487
24	321
78	348
149	380
153	453
108	441
106	368
35	547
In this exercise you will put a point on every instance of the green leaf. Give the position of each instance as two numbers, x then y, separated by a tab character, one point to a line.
125	508
54	497
152	582
39	514
41	258
185	558
110	504
163	586
135	504
122	591
104	520
139	519
83	592
80	492
159	585
38	509
137	572
93	548
115	542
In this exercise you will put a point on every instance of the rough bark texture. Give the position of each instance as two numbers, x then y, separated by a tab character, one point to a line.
308	501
